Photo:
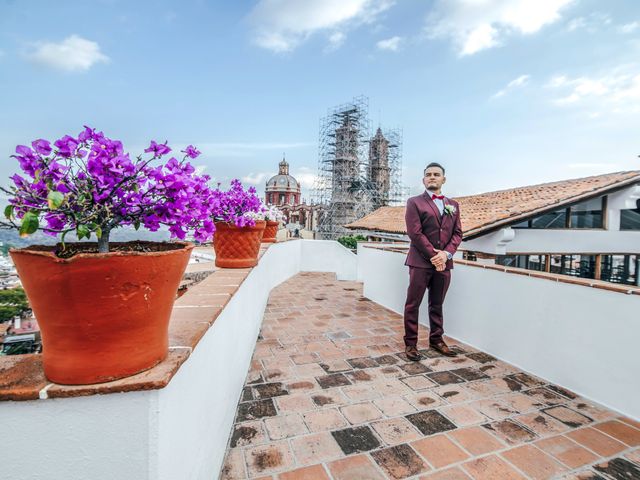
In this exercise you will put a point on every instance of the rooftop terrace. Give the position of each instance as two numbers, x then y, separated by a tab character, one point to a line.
325	392
331	395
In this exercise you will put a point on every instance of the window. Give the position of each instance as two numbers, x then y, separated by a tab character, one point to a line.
587	214
523	224
557	219
630	219
583	266
621	269
528	262
537	262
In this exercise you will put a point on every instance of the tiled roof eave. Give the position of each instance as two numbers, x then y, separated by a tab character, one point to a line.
495	225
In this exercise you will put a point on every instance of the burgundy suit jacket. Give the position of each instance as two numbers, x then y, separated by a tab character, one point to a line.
428	230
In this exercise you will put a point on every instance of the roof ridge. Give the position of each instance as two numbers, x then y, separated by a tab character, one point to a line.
637	172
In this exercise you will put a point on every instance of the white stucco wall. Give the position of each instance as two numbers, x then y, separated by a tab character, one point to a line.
556	241
582	338
179	432
328	256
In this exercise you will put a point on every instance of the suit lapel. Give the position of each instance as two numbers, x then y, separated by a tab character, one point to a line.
444	213
433	206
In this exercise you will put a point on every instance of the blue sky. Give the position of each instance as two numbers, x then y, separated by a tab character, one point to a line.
503	92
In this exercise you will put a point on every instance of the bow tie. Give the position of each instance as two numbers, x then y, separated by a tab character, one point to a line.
439	197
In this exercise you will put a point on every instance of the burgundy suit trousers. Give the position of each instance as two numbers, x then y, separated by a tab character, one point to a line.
421	279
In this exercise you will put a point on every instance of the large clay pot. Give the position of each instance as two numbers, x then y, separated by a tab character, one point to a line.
237	247
270	232
102	316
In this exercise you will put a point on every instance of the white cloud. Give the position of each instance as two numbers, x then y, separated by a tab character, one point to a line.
476	25
336	40
392	44
73	54
256	178
591	23
521	81
305	176
618	91
282	25
629	27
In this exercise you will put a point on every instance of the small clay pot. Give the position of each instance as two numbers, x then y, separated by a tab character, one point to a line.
270	232
237	247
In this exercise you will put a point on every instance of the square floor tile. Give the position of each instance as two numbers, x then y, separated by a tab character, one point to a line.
445	378
439	451
510	432
430	422
394	431
355	467
334	380
400	461
256	409
356	439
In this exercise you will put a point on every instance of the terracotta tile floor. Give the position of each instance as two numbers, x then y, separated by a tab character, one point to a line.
331	395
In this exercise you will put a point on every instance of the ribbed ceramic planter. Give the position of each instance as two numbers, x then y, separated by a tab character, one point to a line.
237	247
270	232
102	316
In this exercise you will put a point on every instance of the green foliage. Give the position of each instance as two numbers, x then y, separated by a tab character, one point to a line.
351	241
12	302
29	224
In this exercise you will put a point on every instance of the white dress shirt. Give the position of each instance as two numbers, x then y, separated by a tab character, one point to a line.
440	204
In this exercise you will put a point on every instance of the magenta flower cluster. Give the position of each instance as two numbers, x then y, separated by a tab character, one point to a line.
237	205
90	185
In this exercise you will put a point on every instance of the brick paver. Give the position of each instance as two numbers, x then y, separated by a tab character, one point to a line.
331	395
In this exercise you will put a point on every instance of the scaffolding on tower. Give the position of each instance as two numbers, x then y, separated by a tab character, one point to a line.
357	173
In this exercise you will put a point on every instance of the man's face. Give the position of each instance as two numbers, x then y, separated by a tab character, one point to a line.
433	179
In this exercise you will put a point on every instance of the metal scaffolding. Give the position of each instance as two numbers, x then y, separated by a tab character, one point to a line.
385	168
357	173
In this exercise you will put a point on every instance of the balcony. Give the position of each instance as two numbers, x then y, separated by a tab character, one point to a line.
545	385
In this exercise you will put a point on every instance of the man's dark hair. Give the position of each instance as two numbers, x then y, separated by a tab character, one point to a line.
434	164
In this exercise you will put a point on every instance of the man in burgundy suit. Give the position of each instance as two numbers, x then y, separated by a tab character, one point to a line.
433	225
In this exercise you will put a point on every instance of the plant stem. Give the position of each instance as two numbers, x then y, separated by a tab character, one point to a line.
103	241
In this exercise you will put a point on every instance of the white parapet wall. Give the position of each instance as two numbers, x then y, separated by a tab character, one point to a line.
582	338
180	431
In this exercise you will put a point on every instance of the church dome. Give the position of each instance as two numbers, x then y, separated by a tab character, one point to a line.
283	181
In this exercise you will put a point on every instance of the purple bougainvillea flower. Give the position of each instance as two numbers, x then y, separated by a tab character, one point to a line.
235	205
191	151
66	146
91	177
42	147
158	149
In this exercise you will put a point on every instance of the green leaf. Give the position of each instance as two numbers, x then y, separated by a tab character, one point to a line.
8	211
136	224
30	224
55	199
83	231
98	231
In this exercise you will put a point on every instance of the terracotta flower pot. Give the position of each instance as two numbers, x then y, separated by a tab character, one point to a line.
102	316
270	232
237	247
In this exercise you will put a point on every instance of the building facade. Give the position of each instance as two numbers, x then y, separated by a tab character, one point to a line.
587	227
283	191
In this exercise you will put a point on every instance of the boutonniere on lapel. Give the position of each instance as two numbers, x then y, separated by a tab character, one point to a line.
449	209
